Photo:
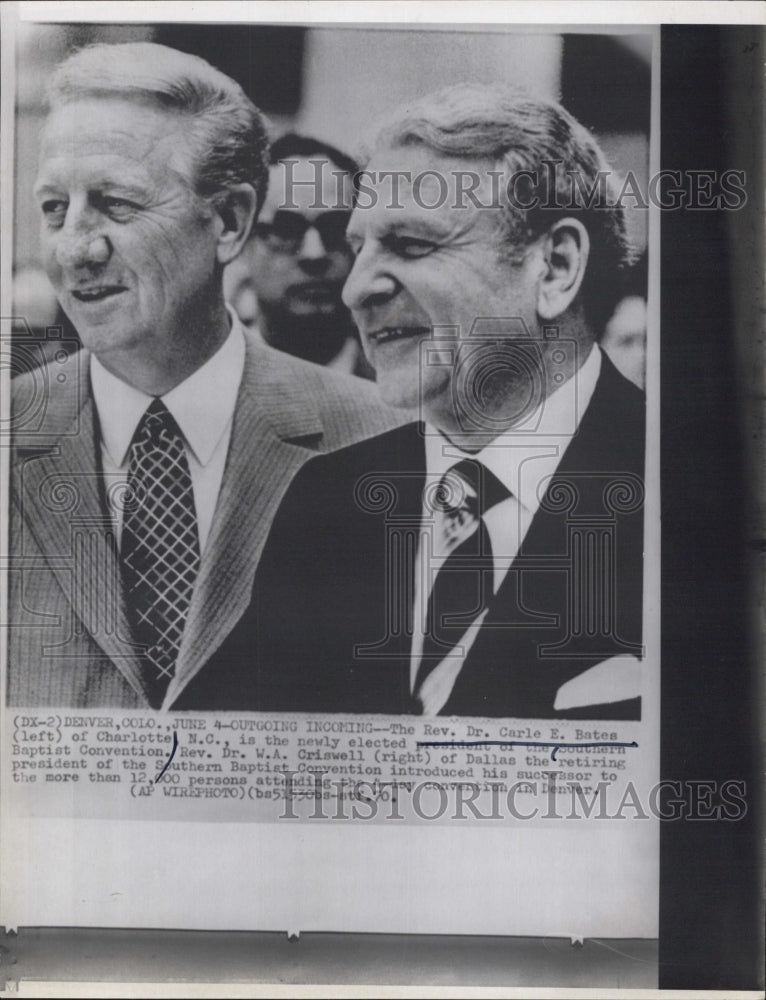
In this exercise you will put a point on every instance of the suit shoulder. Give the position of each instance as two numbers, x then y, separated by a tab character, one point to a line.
329	485
620	391
336	391
46	399
350	408
615	422
71	366
392	449
629	406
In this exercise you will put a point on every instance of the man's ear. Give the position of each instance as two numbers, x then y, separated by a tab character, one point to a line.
566	247
236	211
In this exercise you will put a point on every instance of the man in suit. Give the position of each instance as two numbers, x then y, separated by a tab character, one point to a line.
148	466
287	282
487	560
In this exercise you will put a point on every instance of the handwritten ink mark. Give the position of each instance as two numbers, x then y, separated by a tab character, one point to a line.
170	758
463	744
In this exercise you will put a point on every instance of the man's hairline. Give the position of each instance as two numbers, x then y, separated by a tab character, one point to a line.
141	100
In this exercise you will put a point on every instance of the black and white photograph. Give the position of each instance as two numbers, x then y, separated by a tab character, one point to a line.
356	530
492	474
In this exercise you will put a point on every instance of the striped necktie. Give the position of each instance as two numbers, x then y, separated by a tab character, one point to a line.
464	584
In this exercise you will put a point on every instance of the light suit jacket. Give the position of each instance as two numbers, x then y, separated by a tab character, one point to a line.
69	639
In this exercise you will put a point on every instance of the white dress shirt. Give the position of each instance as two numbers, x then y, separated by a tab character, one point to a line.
523	458
202	406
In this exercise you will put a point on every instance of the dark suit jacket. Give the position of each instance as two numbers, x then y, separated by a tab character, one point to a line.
328	628
69	640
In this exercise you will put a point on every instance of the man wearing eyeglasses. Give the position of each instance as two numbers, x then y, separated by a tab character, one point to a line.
288	281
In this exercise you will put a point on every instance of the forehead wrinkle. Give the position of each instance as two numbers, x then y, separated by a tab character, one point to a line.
97	167
163	141
448	224
438	212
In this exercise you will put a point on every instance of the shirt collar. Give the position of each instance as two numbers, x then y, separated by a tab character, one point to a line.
202	405
526	456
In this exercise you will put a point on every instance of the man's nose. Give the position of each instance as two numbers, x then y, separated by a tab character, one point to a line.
312	247
368	284
80	243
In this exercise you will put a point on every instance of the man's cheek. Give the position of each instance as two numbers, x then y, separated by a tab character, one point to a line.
166	269
48	254
53	271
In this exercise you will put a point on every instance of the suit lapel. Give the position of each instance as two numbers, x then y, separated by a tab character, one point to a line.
543	556
396	536
61	496
382	519
271	412
583	462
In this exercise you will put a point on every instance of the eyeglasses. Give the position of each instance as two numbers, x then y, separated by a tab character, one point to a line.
287	230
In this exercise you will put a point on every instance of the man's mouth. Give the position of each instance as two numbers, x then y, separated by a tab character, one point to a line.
314	288
96	294
387	334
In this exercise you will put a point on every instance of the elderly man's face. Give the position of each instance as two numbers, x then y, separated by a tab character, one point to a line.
129	247
418	267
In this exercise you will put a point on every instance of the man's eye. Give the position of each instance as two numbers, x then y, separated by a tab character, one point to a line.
54	211
118	208
409	246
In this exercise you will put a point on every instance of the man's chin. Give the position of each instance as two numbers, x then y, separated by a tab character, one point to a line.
318	299
306	312
100	339
397	391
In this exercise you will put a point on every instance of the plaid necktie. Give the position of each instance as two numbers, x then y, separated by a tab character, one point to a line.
464	583
159	551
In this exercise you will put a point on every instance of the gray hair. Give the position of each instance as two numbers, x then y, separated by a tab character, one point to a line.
516	132
225	128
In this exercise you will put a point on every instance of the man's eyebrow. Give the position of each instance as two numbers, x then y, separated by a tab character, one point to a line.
393	227
413	227
42	189
123	187
417	224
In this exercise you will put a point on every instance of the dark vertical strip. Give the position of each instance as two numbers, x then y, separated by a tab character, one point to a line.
711	931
